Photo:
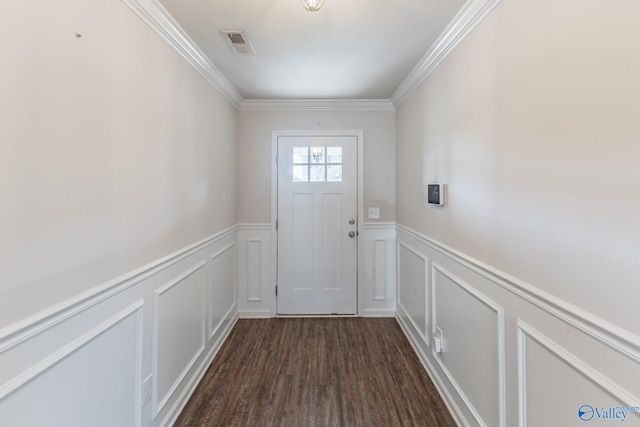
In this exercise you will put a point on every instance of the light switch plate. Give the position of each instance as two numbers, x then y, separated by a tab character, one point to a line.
374	213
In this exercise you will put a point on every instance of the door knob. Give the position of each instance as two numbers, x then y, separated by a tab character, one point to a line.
352	221
352	234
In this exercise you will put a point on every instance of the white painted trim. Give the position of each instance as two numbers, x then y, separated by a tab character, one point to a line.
424	330
379	280
164	25
37	369
222	250
154	15
257	268
619	339
423	337
317	104
379	272
466	20
185	395
588	372
448	399
31	326
360	223
138	378
214	329
359	134
522	379
254	226
158	406
255	314
273	300
373	312
499	310
379	225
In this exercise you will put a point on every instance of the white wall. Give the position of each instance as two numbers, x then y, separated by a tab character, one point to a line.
114	151
117	181
254	154
532	124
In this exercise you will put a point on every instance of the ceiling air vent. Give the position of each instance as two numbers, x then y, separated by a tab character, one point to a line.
237	39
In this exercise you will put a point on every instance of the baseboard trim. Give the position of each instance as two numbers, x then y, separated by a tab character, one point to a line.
378	313
255	314
185	395
451	404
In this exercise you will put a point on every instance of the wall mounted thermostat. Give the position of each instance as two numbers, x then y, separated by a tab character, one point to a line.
435	194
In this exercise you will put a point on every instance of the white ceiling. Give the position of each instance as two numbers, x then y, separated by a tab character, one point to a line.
350	49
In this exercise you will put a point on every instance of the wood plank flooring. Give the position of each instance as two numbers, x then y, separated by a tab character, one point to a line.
316	372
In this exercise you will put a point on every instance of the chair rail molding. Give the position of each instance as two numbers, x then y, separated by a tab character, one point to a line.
126	326
511	327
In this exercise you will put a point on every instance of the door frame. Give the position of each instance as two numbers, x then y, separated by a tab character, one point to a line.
359	134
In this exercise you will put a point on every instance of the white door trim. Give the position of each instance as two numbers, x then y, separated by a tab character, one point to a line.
359	134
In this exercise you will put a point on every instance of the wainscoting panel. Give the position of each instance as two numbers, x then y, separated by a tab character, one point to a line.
512	354
178	331
558	385
68	387
128	352
377	295
255	287
470	324
221	295
413	289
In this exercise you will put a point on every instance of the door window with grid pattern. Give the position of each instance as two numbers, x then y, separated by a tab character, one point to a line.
317	164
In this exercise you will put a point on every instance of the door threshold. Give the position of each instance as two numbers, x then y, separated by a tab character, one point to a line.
330	315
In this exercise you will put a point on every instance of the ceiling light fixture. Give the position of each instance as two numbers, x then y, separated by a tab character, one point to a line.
312	5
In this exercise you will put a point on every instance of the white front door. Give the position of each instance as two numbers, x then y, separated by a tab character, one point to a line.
317	225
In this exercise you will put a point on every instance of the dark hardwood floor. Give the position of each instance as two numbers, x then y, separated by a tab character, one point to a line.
316	372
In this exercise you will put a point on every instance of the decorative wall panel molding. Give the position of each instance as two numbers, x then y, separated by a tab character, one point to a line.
413	287
65	351
31	326
255	287
113	324
618	338
472	337
221	290
511	326
574	364
254	262
54	377
378	294
419	346
178	317
214	345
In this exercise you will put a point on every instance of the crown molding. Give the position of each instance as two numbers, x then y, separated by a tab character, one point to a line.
152	13
466	20
317	104
162	23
